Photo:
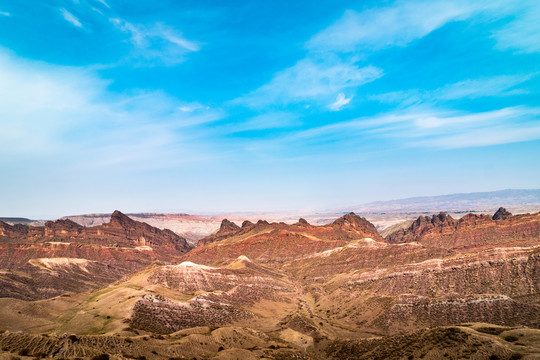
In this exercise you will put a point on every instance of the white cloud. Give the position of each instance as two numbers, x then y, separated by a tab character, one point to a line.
475	88
70	18
104	3
3	13
522	33
407	20
435	128
395	25
340	102
311	80
158	41
272	120
56	112
486	136
191	107
495	86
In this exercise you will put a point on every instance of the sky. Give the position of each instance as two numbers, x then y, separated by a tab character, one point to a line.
221	106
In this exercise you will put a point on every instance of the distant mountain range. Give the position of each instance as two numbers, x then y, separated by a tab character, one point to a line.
383	214
476	201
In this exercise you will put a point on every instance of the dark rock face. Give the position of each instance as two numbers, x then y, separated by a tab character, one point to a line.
227	228
421	226
502	214
353	223
280	242
120	231
112	250
158	315
61	228
471	230
247	224
128	232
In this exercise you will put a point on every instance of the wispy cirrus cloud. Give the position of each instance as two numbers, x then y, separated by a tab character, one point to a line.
521	34
104	3
157	41
70	18
312	81
404	21
495	86
322	82
5	13
50	111
425	127
271	120
394	25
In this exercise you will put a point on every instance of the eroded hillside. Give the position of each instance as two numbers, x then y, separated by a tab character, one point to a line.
439	288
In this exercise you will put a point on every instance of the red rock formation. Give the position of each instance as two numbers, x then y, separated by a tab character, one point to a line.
502	214
120	231
471	230
356	226
227	229
279	242
116	248
421	226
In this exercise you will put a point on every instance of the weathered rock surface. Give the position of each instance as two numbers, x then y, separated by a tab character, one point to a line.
227	229
501	214
309	291
111	250
280	242
219	296
471	230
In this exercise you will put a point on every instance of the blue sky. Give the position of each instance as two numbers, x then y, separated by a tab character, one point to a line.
213	106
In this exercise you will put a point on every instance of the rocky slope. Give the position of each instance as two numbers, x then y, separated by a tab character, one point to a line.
475	341
226	229
46	261
280	242
471	230
190	227
439	288
218	296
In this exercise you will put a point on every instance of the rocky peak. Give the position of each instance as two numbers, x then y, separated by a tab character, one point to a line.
502	214
442	218
421	226
227	228
356	224
120	219
16	230
62	224
473	219
62	227
351	220
302	222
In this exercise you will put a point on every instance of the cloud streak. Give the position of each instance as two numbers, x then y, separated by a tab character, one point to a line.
70	18
158	41
49	111
395	25
495	86
311	81
521	34
421	127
